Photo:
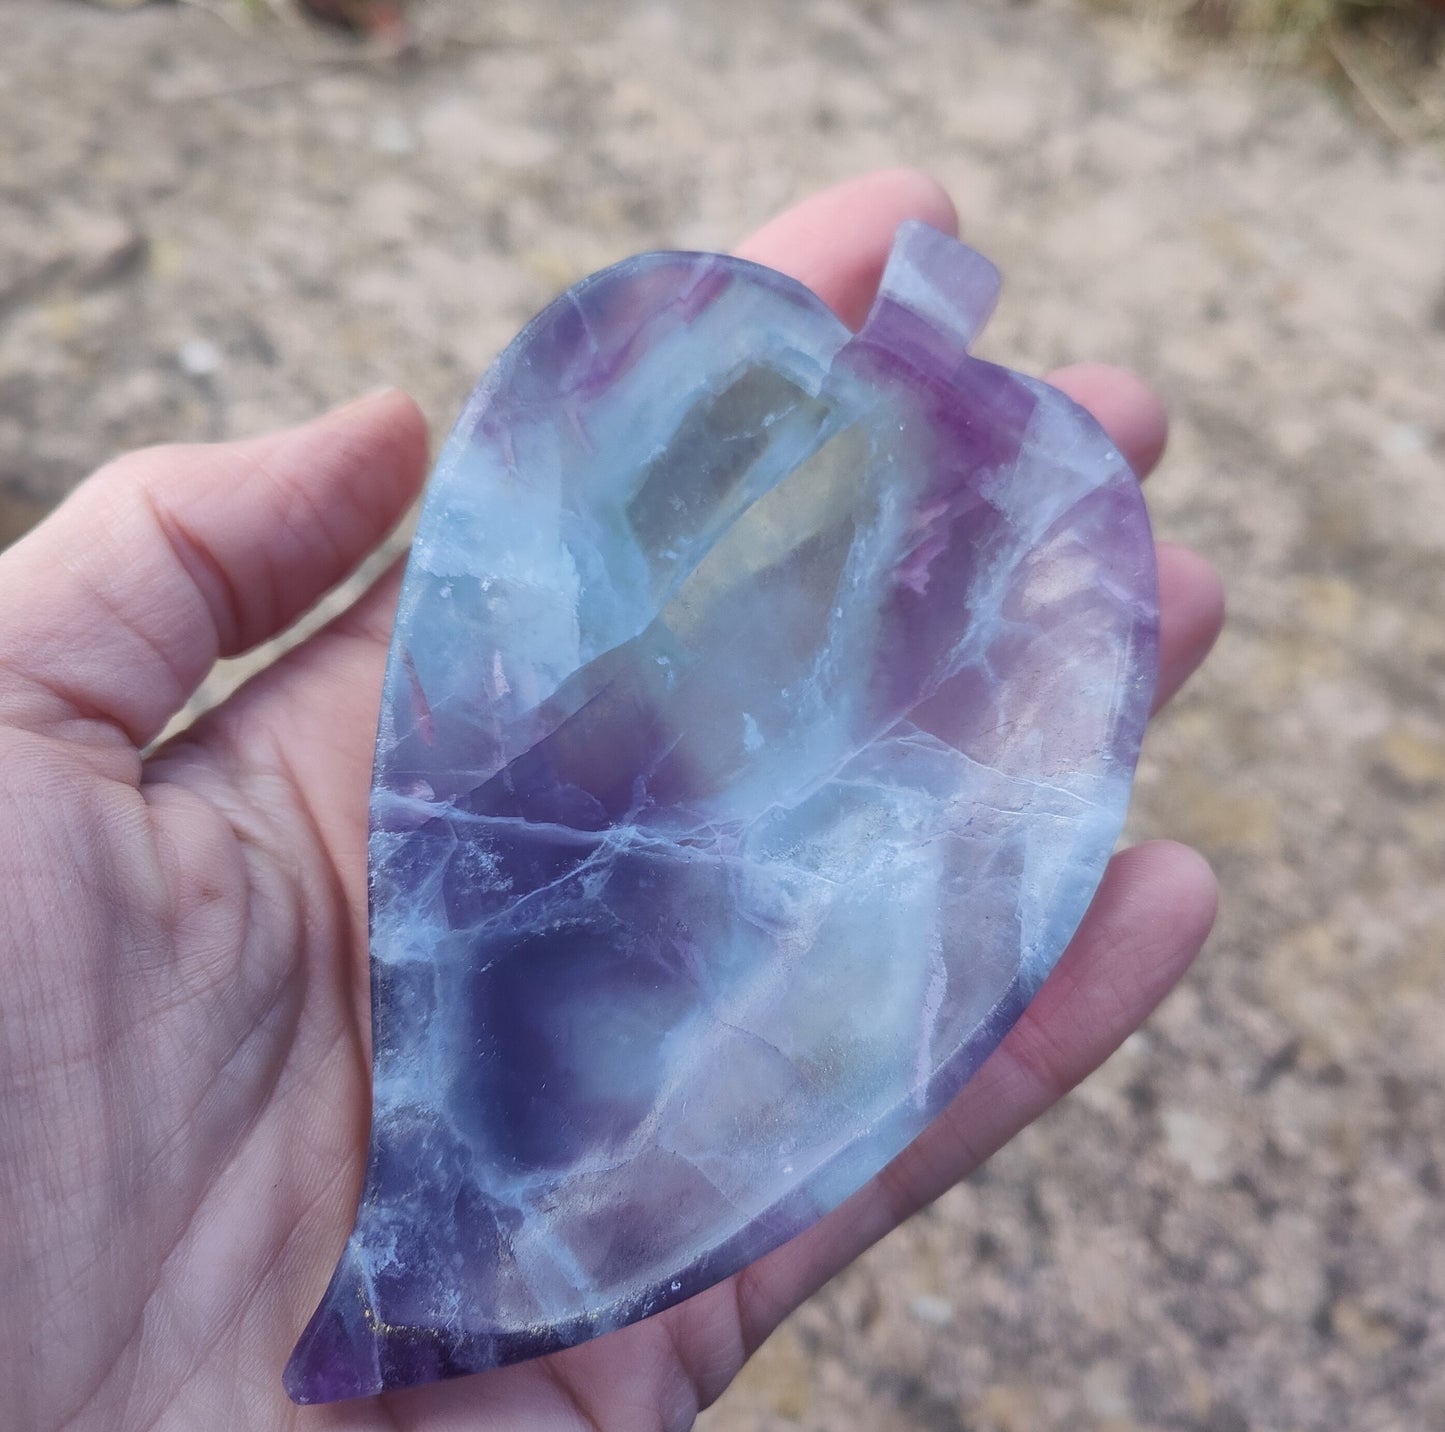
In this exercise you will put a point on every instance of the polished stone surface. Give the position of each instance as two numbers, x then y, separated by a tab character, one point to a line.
762	709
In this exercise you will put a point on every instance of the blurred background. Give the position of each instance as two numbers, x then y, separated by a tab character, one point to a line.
219	217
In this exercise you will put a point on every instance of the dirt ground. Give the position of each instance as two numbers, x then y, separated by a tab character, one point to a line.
208	229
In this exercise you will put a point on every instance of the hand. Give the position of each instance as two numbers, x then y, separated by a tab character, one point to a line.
184	1067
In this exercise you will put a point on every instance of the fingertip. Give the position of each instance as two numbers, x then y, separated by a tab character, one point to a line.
1124	405
384	435
1147	921
914	193
1180	878
387	403
1196	875
837	241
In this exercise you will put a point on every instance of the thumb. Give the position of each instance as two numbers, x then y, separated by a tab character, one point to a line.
116	607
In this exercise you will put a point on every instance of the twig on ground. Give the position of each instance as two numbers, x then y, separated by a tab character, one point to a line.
1385	112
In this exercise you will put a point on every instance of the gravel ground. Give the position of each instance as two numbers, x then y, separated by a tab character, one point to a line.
207	230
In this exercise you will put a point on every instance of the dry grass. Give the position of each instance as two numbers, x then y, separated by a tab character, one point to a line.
1386	56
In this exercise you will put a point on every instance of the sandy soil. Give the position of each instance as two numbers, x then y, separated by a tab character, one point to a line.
1239	1223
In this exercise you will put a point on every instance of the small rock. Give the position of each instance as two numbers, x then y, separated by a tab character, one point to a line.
1415	758
101	247
1362	1328
1106	1389
1197	1142
65	248
1011	1407
392	135
936	1312
1403	440
200	358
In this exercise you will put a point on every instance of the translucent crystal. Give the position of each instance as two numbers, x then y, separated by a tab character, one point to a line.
762	710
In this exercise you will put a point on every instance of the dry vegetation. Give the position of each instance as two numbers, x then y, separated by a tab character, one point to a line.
1388	56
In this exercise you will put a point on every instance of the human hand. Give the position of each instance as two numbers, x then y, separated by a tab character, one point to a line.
184	1067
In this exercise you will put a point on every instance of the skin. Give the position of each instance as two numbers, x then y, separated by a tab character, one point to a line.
184	1062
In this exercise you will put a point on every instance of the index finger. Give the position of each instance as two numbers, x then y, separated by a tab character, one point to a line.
837	242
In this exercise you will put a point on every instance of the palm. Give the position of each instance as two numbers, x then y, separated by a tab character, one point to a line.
184	1055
